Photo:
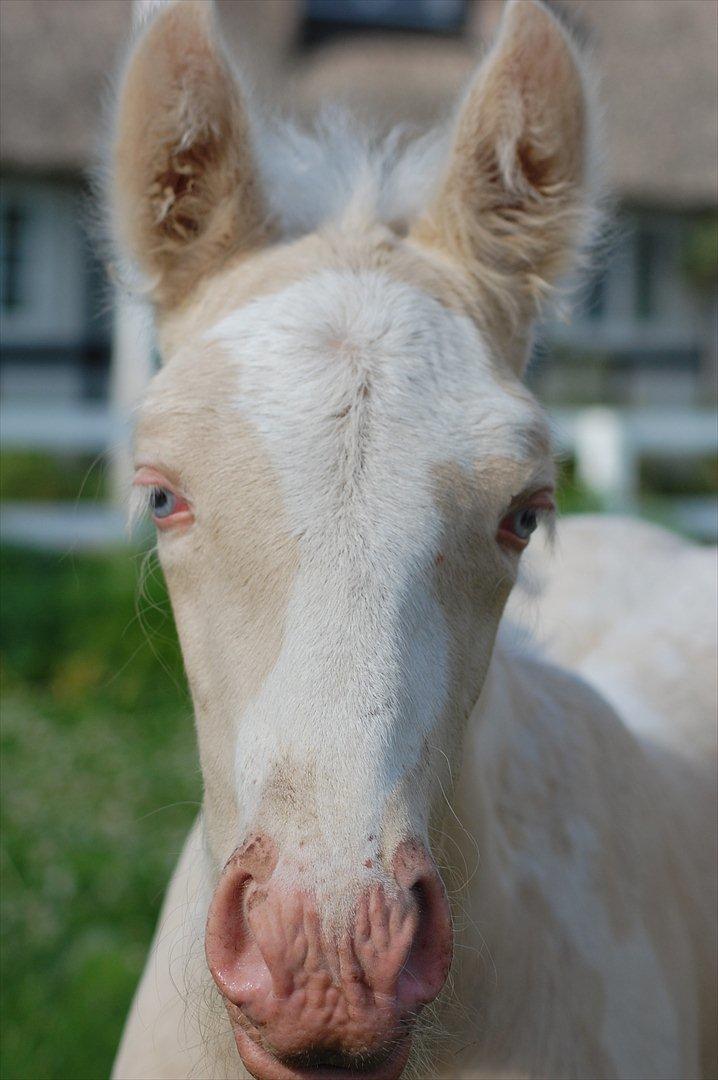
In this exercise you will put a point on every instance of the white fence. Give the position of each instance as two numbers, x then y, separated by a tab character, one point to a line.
608	444
69	427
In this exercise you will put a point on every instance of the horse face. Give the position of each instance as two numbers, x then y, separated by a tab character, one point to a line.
348	454
343	467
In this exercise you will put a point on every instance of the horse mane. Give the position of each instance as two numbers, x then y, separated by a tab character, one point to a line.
338	167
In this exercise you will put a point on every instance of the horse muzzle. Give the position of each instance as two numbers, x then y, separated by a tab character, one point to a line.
307	1000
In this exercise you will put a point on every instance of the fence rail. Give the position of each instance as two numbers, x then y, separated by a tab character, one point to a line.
77	428
608	445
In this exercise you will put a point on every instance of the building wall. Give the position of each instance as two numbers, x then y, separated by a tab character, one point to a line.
53	331
639	329
644	332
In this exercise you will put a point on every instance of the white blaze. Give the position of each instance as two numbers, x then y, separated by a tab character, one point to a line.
357	385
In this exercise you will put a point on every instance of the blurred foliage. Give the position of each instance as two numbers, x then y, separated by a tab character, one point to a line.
659	479
678	476
571	496
43	477
700	256
100	786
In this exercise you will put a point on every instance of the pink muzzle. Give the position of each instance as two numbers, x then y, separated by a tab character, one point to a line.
305	1003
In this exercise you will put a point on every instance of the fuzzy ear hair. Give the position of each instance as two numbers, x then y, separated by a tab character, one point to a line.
512	205
184	190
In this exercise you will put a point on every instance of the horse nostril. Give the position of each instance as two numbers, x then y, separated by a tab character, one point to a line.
418	891
232	954
429	959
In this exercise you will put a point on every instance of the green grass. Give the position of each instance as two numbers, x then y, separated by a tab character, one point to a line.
45	477
100	785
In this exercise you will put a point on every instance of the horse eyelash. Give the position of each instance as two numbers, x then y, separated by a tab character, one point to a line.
547	522
138	505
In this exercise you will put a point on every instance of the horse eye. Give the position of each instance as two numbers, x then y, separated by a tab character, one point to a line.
163	502
525	522
516	528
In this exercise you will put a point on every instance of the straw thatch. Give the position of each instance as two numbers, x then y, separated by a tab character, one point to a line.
656	60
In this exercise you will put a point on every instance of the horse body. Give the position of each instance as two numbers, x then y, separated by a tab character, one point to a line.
344	467
656	666
580	859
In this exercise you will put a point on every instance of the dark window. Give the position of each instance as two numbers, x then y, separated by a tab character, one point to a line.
595	303
12	228
645	268
327	18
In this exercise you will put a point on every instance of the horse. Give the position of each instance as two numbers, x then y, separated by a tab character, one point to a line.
427	846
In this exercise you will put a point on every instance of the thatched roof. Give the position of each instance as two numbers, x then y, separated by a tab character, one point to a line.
656	60
55	62
658	70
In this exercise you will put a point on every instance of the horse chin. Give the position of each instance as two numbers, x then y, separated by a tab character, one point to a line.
262	1064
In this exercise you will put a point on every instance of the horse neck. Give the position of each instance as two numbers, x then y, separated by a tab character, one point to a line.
537	747
471	854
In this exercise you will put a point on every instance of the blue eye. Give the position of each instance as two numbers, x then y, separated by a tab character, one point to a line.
516	528
525	522
163	502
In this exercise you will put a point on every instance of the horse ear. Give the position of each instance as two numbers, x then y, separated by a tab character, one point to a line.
184	190
511	206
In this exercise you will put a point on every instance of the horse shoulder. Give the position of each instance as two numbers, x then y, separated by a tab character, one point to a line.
631	608
584	962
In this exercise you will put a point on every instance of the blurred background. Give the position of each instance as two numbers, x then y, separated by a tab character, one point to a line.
100	781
